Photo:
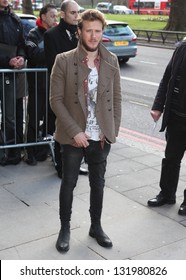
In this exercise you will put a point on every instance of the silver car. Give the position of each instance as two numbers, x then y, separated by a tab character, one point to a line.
120	9
119	38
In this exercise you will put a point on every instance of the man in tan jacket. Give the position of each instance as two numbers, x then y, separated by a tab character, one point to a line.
85	95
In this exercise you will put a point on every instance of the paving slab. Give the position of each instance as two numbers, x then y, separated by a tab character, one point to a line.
29	210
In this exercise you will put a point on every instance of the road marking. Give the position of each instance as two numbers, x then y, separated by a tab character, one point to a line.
147	62
138	103
142	138
142	135
140	81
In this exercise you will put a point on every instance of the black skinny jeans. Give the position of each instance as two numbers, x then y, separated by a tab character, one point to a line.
96	157
174	152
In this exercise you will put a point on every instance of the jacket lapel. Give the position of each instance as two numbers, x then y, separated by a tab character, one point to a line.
105	72
83	73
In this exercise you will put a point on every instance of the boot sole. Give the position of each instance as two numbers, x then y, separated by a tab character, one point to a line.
151	204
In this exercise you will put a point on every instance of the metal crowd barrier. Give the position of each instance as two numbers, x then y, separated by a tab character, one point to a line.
20	83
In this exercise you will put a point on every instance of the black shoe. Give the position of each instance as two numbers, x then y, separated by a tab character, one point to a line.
31	161
160	200
62	244
101	238
10	160
182	209
83	171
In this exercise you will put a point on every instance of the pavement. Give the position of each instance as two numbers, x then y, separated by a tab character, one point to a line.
29	220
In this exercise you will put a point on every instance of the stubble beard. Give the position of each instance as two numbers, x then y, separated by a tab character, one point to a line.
87	48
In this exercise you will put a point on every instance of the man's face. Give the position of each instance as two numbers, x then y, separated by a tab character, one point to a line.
3	4
50	18
71	15
91	35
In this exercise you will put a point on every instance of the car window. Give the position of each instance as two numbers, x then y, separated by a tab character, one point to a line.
116	30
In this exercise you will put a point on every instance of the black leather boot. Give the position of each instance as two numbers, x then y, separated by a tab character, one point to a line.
13	156
182	209
102	239
62	244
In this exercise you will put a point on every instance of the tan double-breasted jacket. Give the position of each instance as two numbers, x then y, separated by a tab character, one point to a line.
68	99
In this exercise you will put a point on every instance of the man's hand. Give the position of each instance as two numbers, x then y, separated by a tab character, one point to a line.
155	114
17	62
81	140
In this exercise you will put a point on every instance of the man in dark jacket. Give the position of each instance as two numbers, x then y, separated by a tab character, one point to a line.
37	98
59	39
171	99
12	55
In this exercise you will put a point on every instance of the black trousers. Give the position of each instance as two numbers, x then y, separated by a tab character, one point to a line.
174	152
96	156
12	115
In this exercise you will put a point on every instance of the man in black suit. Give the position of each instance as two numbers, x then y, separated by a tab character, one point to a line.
59	39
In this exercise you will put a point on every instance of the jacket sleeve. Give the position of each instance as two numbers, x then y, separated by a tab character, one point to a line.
117	98
49	50
57	96
35	48
21	47
4	61
15	39
159	101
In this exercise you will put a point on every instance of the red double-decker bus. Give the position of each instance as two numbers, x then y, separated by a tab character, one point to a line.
153	7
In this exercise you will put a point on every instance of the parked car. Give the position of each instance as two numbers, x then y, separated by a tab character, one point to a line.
119	9
104	7
119	38
28	21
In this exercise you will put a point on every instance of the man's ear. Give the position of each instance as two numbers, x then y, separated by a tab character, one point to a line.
78	32
62	14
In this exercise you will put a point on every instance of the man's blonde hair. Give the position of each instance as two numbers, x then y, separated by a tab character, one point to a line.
91	15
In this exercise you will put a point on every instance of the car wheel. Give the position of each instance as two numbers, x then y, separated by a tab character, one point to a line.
123	60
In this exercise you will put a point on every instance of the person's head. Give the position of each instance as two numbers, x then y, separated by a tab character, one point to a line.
70	11
48	15
3	4
90	29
